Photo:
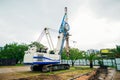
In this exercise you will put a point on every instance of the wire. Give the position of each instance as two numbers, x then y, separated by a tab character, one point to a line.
41	36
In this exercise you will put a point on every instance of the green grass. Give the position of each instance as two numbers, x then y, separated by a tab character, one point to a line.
78	68
19	65
82	67
10	66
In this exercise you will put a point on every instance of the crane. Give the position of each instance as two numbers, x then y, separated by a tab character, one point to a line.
46	60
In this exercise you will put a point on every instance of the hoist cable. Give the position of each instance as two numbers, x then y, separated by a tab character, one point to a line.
41	36
50	40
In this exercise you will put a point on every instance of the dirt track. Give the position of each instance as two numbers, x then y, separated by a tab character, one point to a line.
14	72
117	75
14	69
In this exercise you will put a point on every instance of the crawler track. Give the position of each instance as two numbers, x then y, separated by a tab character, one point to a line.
50	67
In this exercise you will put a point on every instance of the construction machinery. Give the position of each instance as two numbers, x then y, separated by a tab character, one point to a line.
44	60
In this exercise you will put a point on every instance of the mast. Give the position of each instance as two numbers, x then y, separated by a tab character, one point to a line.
67	35
63	34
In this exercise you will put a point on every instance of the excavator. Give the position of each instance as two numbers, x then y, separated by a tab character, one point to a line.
44	60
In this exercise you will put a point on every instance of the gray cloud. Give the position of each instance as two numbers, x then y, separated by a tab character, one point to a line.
109	9
21	20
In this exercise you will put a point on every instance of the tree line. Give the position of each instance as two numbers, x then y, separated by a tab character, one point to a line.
13	51
16	51
76	54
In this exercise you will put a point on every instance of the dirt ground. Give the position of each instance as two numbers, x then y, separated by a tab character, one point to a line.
15	72
24	73
8	69
117	75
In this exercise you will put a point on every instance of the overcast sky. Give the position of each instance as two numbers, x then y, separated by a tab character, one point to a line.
94	24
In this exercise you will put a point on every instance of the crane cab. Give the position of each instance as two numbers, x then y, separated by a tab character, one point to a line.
42	56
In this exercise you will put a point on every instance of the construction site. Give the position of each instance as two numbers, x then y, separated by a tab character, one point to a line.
63	52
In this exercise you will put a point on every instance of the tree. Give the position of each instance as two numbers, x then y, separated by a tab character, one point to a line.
20	53
91	57
37	44
13	51
74	55
116	52
64	55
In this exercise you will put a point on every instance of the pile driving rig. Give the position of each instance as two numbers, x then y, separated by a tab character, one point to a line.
50	60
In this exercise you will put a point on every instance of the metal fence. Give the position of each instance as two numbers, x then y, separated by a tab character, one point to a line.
117	63
6	62
84	62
